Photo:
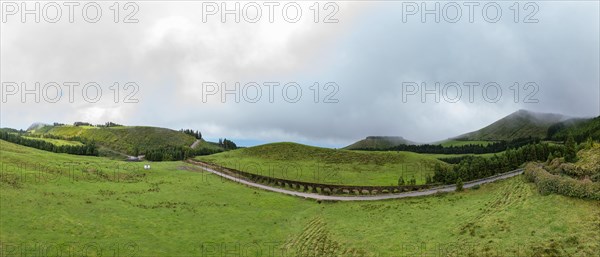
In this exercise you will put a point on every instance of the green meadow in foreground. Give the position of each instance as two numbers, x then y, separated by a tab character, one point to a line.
328	166
95	206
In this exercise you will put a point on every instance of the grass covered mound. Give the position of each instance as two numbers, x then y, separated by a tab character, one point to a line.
299	152
327	166
174	210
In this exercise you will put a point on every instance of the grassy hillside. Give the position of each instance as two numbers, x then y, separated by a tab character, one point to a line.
123	139
322	165
375	142
92	203
202	144
520	124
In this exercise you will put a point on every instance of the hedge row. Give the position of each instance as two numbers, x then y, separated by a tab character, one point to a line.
548	183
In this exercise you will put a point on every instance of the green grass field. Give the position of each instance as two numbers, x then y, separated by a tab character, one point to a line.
328	166
57	142
99	206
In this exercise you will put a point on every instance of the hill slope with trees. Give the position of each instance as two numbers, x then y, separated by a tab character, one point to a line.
520	124
134	140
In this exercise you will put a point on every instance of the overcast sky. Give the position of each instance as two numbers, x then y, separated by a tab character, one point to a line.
370	57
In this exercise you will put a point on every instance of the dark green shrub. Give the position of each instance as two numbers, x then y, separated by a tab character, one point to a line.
548	183
459	185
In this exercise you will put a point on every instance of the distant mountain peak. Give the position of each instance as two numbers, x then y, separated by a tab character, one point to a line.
379	142
36	125
385	137
519	124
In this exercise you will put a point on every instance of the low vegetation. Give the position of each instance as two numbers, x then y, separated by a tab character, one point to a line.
550	183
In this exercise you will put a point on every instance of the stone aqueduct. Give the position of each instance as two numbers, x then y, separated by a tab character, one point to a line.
314	187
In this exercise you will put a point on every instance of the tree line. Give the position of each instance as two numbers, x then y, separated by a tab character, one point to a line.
227	144
463	149
82	123
86	149
176	153
191	132
109	124
555	183
476	167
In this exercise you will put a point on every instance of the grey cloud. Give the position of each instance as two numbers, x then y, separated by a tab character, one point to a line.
368	54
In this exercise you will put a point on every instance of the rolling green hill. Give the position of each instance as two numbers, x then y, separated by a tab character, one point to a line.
328	166
520	124
378	142
94	206
125	139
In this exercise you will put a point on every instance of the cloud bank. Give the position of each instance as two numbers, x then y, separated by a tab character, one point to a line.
366	57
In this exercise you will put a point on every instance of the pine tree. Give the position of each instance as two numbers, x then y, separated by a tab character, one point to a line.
401	181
